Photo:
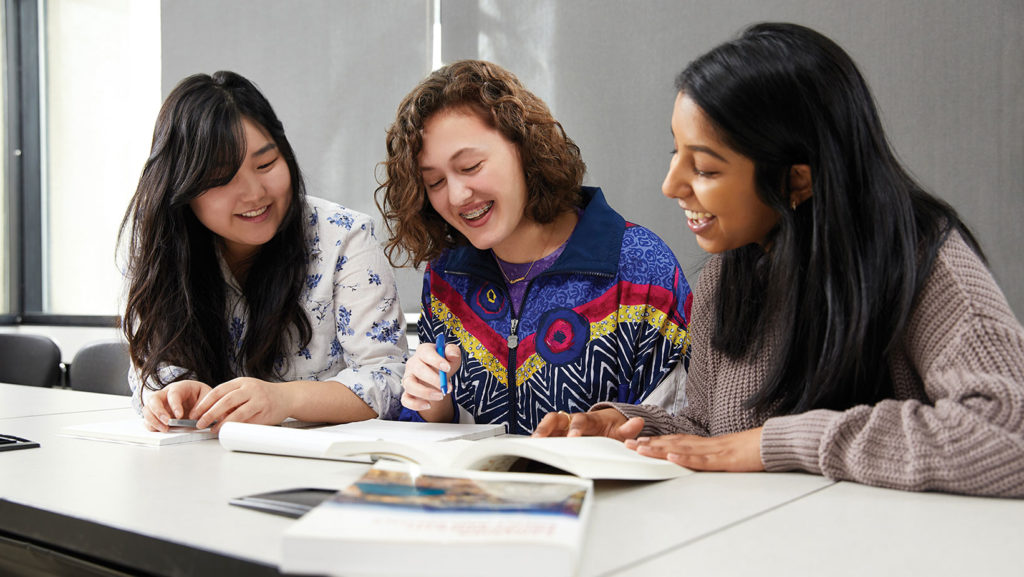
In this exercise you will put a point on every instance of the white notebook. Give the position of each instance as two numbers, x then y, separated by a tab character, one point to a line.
134	432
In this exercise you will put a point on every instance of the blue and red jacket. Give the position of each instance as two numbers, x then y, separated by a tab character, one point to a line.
606	322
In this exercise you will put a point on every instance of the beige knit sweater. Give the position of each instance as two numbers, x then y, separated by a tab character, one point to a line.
956	423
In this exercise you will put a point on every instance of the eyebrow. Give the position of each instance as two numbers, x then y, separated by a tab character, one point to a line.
453	157
706	150
266	148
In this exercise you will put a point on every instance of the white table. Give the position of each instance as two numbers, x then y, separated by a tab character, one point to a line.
854	530
165	510
24	401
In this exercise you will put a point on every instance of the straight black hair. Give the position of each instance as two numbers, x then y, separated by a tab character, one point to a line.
175	311
838	282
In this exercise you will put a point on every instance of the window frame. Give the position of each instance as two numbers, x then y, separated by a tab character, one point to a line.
24	249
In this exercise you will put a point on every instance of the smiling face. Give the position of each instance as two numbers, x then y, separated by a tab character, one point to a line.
246	212
714	184
474	179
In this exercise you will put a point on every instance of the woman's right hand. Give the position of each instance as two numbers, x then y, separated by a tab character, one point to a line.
172	402
601	423
422	381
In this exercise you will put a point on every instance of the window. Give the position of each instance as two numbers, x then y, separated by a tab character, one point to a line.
100	96
5	248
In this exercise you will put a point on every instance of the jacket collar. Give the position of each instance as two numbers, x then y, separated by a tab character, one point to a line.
593	247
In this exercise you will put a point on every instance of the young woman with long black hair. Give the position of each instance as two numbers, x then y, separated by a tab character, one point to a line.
846	324
248	300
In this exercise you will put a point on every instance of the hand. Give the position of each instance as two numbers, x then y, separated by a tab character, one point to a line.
602	423
243	400
172	402
739	452
422	383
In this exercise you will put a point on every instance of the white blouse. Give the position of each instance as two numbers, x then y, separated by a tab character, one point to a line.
351	300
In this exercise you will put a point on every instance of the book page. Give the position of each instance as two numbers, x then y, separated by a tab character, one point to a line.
282	440
410	431
346	441
587	457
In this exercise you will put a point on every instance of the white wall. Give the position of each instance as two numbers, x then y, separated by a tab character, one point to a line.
947	76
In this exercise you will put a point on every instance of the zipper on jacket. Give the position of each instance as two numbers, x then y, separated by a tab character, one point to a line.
513	338
513	343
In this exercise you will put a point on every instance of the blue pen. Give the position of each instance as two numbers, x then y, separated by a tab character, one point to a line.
444	376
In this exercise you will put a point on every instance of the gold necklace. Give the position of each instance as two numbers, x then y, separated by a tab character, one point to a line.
511	281
543	251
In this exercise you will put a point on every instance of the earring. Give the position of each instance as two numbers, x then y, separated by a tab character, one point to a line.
792	204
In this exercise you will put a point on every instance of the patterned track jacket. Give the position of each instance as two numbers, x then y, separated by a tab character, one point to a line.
606	322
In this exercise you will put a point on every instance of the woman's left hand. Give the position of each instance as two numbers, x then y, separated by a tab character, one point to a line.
737	452
244	400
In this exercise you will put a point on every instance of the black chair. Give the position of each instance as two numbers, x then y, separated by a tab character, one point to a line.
101	367
29	360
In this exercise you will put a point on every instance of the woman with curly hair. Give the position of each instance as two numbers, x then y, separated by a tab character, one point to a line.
548	298
248	300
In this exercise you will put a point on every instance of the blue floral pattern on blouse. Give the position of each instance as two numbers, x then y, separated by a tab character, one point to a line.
356	319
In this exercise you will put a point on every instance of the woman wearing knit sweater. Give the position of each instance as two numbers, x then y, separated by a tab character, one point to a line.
846	324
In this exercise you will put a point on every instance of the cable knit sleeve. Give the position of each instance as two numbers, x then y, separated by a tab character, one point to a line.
697	405
965	348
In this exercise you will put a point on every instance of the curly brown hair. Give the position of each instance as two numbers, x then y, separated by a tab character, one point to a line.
551	160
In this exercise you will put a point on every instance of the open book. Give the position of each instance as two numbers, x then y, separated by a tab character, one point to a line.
588	457
397	520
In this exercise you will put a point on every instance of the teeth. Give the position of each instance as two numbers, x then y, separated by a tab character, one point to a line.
256	212
694	215
478	212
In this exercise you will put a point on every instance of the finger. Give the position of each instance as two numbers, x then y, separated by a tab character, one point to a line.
551	425
244	413
152	422
424	382
453	358
209	399
157	411
697	462
222	409
414	403
175	401
585	425
630	429
650	451
426	355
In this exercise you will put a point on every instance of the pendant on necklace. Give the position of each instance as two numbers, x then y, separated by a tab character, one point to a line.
516	280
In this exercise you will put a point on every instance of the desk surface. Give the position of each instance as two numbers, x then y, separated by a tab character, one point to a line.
23	401
856	530
165	510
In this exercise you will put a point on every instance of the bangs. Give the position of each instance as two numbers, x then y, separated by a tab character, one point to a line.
210	154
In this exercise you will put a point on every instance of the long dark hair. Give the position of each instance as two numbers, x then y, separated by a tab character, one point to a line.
175	311
551	160
839	280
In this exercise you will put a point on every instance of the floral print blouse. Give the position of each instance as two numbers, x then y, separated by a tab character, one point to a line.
351	300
